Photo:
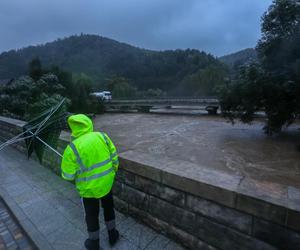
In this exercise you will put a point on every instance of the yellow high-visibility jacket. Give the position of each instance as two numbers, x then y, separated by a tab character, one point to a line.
90	159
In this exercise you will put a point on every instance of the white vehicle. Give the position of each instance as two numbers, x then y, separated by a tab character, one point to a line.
103	95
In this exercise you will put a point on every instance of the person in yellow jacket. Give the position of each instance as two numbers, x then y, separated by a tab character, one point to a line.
91	160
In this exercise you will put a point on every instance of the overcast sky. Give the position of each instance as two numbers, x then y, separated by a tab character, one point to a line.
216	26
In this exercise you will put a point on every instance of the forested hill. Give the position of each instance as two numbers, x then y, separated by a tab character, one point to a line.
101	58
239	58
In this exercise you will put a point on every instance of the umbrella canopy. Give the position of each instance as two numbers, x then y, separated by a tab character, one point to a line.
43	131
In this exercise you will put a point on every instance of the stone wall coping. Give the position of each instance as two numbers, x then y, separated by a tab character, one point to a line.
271	201
12	121
227	189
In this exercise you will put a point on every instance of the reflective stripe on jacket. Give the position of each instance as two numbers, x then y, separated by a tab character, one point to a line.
91	159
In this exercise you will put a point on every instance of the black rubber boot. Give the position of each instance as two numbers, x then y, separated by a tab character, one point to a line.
113	236
92	244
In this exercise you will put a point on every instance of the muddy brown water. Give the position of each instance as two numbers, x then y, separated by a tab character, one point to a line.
209	142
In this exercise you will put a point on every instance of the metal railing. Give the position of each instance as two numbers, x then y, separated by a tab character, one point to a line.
167	101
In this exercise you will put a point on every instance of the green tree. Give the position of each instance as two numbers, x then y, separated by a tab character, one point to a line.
273	85
124	90
14	97
278	48
65	78
24	98
35	69
204	81
120	87
82	86
153	93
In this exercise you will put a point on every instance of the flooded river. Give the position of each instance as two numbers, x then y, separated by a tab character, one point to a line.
209	142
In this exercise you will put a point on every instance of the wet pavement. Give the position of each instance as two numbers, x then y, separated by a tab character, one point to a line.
12	236
50	211
211	142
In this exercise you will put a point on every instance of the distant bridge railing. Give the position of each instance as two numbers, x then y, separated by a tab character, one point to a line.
163	97
173	101
211	105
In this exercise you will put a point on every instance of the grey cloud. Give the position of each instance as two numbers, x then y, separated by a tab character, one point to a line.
215	26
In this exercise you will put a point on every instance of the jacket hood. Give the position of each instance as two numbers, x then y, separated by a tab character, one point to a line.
80	124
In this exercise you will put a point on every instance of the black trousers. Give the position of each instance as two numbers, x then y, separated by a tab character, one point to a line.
92	207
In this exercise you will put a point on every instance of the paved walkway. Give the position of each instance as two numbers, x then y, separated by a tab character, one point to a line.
49	209
11	234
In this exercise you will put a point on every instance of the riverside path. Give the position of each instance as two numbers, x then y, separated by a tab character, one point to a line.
49	210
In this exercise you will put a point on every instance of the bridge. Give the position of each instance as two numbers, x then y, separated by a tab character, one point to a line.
211	105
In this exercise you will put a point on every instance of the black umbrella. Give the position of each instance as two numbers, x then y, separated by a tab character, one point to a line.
42	131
